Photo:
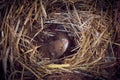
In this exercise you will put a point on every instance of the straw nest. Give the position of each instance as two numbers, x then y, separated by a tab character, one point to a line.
29	23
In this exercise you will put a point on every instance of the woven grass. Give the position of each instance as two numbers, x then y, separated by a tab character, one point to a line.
89	28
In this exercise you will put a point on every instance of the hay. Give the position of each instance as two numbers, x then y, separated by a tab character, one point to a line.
91	33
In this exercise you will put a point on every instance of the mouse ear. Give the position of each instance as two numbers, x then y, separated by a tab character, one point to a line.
65	41
65	44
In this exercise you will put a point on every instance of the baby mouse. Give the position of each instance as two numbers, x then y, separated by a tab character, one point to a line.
59	46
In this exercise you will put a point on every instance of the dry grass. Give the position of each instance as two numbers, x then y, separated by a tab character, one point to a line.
92	36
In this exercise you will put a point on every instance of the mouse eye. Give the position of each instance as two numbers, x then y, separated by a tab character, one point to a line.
61	48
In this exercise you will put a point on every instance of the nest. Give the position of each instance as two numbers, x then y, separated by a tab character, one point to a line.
29	24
